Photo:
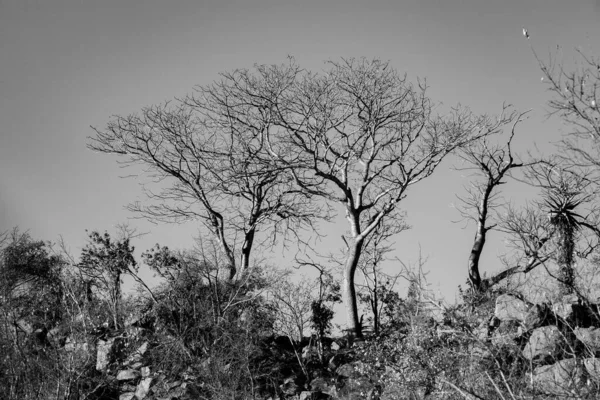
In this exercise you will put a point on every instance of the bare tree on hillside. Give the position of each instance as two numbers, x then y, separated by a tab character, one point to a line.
206	156
492	164
360	135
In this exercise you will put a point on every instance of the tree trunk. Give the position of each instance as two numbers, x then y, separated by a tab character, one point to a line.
349	290
246	249
480	236
473	264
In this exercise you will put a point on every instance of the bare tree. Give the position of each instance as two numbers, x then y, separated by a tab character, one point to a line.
529	233
292	302
576	100
206	155
492	164
360	135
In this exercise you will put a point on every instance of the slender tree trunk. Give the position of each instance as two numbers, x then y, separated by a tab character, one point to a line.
246	249
473	265
349	290
480	236
565	258
375	303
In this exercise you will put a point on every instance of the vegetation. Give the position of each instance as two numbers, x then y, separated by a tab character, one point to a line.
261	157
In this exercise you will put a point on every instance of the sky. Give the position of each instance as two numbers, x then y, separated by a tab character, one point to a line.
67	65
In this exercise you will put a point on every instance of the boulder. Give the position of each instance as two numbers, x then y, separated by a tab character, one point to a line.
590	337
145	372
509	308
308	395
143	388
128	375
506	333
104	353
538	315
545	343
127	396
563	378
592	366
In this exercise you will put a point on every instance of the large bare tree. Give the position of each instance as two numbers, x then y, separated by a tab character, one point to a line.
205	156
359	135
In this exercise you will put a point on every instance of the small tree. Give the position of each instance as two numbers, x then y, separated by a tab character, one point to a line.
292	303
377	289
104	262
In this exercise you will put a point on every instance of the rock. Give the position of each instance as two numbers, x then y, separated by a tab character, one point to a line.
137	365
509	308
127	396
335	346
506	333
319	384
563	378
137	355
563	310
145	372
545	343
143	388
307	395
590	337
128	375
537	316
104	353
592	366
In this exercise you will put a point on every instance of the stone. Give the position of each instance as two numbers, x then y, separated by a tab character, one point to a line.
563	378
506	333
128	375
545	343
509	308
145	372
143	388
592	366
590	337
563	310
538	315
308	395
137	355
104	352
127	396
335	346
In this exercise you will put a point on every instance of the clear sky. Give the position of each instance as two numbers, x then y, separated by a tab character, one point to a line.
68	64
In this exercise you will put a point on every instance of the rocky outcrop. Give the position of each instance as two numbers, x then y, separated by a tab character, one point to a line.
560	340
